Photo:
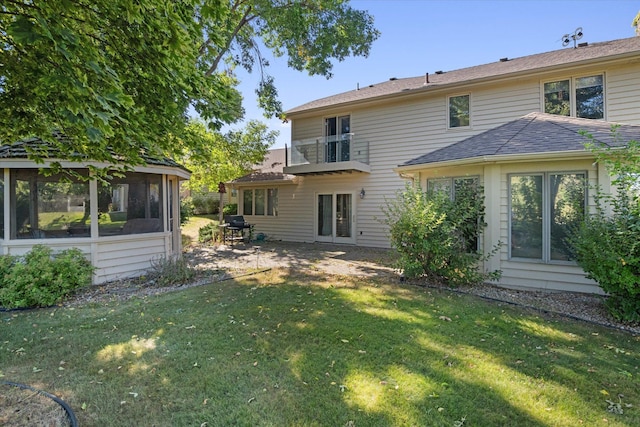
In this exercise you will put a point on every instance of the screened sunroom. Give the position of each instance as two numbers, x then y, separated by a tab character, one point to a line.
122	224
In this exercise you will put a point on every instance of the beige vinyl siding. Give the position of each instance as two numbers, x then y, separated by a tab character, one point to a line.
416	125
20	248
623	95
127	257
497	105
292	222
397	133
547	276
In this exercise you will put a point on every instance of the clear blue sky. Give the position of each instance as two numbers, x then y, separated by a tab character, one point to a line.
420	36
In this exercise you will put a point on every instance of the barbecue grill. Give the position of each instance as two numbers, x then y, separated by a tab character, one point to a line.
236	225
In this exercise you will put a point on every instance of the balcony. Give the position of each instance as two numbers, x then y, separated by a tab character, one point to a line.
328	155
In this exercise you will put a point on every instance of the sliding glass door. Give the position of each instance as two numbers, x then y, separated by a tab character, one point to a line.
335	218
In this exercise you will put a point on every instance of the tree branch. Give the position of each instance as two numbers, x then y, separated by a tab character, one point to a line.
244	21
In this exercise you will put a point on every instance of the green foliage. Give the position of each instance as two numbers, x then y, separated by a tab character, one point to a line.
437	237
40	278
187	209
607	243
607	247
312	34
206	203
171	271
230	209
120	77
209	233
222	158
117	77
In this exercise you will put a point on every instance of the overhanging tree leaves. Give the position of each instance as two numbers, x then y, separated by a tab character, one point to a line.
119	76
115	76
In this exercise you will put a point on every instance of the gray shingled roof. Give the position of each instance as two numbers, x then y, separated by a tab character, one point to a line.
21	149
257	177
269	170
494	70
530	134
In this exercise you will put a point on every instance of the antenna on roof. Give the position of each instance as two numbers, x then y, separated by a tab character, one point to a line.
577	35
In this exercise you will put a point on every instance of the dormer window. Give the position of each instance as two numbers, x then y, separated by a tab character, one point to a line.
459	111
577	97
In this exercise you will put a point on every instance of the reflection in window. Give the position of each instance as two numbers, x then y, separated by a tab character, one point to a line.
586	98
130	205
567	194
259	196
247	202
260	201
49	207
526	216
589	97
459	111
272	201
556	98
539	230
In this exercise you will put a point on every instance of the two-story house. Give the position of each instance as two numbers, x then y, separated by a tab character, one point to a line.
513	126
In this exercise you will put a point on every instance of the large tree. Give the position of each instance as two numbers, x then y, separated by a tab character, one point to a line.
120	76
213	157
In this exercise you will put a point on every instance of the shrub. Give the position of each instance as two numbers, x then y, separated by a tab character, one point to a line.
436	237
186	210
607	243
230	209
209	233
206	203
607	247
42	279
171	271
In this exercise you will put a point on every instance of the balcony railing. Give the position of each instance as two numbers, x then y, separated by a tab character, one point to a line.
330	149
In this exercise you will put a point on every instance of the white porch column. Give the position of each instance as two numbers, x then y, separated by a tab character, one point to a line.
492	192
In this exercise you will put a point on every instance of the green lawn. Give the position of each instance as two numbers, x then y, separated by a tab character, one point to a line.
288	349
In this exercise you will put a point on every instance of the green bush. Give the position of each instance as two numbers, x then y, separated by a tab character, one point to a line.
230	209
187	210
42	279
437	237
206	203
607	247
209	233
607	243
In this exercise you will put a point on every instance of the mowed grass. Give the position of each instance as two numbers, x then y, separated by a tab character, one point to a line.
193	225
284	348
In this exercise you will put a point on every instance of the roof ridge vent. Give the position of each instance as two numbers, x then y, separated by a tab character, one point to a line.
393	79
439	72
505	59
583	44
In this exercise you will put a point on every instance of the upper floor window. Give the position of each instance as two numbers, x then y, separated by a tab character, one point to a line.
579	96
337	132
459	112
